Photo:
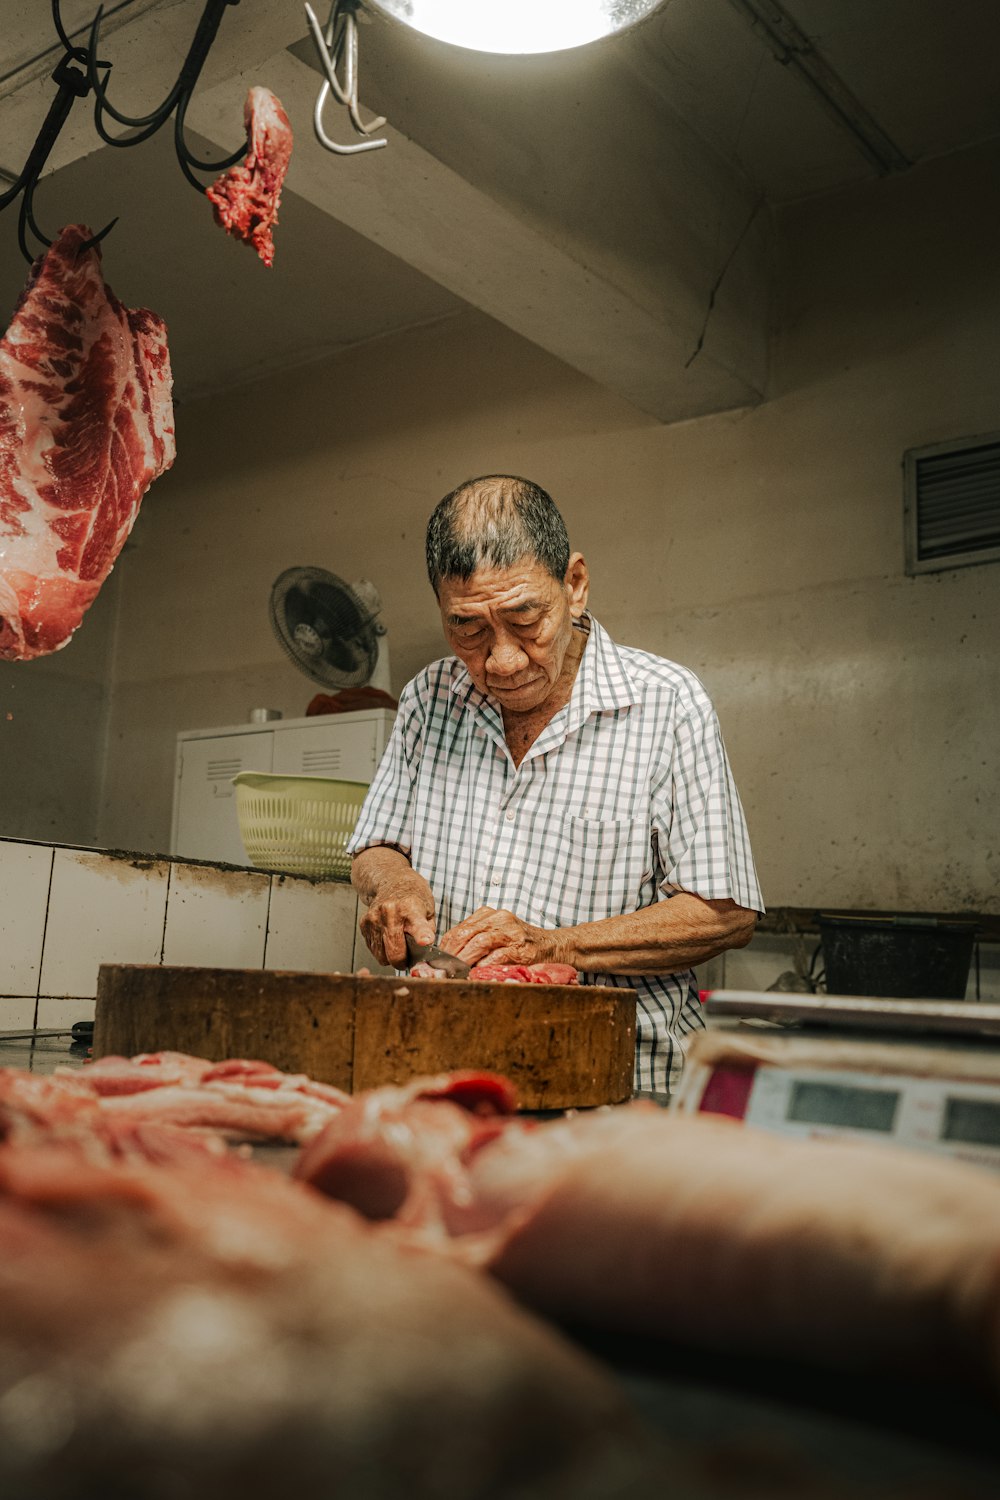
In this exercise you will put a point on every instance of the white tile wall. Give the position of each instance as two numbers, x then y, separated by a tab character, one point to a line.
25	871
17	1012
102	909
65	911
58	1010
216	918
310	926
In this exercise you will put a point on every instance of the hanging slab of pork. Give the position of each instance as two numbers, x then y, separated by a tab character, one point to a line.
247	197
86	425
214	1331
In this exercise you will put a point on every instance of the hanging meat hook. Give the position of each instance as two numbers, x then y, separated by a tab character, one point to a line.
178	99
72	84
338	46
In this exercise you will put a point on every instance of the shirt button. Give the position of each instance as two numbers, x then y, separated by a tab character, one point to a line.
495	880
510	815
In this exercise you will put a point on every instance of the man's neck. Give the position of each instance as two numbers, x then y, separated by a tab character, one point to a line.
521	730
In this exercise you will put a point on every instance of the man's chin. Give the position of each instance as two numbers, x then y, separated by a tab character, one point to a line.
529	695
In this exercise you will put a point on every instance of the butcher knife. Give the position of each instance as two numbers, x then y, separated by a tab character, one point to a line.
430	953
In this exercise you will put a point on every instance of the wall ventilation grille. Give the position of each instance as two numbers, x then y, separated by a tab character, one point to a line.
952	504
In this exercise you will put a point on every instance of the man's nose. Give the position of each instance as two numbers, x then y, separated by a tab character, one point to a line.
506	658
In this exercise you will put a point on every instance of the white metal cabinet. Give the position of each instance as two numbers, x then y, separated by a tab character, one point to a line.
349	751
205	824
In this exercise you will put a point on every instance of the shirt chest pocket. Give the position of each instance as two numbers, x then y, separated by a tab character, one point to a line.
603	864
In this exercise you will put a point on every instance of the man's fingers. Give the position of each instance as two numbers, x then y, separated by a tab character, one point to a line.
385	926
483	920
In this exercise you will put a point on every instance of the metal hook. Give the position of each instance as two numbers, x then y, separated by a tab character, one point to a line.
339	43
143	126
72	85
76	81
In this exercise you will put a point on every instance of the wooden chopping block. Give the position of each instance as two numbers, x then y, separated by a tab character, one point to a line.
563	1046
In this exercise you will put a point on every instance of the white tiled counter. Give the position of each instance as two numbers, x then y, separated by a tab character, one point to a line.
64	911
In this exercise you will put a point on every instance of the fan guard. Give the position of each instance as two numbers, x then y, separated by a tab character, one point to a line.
327	629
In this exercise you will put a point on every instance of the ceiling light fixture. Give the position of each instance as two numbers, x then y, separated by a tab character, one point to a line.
516	26
507	26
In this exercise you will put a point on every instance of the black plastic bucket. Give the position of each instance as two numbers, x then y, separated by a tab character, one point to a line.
900	957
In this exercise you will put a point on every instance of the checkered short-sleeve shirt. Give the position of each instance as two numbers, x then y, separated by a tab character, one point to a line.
625	796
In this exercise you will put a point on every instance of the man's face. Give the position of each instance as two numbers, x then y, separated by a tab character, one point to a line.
512	627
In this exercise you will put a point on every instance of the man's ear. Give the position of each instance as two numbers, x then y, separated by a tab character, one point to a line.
577	584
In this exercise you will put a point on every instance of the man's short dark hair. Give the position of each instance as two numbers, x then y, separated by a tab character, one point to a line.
494	522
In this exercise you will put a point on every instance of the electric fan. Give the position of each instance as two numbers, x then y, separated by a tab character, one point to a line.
330	628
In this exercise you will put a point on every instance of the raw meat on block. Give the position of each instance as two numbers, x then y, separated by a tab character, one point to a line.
86	425
525	973
216	1332
507	973
247	197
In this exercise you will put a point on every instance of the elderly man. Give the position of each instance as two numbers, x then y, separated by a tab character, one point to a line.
548	795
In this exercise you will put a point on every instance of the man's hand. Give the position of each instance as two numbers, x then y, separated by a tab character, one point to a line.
498	937
399	901
665	938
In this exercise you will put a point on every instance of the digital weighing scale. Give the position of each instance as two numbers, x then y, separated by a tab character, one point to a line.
922	1074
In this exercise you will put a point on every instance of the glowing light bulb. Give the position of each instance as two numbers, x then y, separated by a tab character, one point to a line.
517	25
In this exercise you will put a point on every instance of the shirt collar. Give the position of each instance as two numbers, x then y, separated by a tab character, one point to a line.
602	683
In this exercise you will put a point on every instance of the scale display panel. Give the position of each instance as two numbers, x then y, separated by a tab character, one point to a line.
925	1114
923	1075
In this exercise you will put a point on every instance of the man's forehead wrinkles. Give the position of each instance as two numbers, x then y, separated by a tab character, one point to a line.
523	607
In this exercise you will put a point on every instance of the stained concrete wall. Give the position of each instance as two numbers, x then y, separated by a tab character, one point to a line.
53	728
763	547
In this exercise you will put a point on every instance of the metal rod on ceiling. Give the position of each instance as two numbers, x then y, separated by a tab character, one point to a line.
795	50
76	74
335	47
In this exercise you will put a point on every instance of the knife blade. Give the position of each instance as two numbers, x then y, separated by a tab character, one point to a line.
430	953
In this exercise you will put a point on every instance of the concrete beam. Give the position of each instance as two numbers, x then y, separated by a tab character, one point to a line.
146	45
654	343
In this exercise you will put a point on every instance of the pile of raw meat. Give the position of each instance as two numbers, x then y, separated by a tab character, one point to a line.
86	425
177	1320
508	973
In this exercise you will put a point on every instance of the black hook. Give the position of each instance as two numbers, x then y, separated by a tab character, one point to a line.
143	126
76	74
72	84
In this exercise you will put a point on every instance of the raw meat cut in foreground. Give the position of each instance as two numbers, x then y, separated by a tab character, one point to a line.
403	1153
219	1332
699	1230
241	1099
247	197
86	425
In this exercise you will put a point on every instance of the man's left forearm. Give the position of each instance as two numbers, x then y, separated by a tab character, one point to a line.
667	938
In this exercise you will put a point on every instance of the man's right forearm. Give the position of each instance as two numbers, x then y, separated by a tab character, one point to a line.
373	870
373	867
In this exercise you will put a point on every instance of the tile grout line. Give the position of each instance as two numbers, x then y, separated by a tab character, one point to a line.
166	909
267	922
45	928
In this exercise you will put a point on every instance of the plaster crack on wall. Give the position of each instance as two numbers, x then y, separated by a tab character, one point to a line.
717	284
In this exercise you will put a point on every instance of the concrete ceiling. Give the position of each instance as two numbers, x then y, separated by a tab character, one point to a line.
611	204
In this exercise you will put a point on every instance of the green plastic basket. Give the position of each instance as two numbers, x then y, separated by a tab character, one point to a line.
298	824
